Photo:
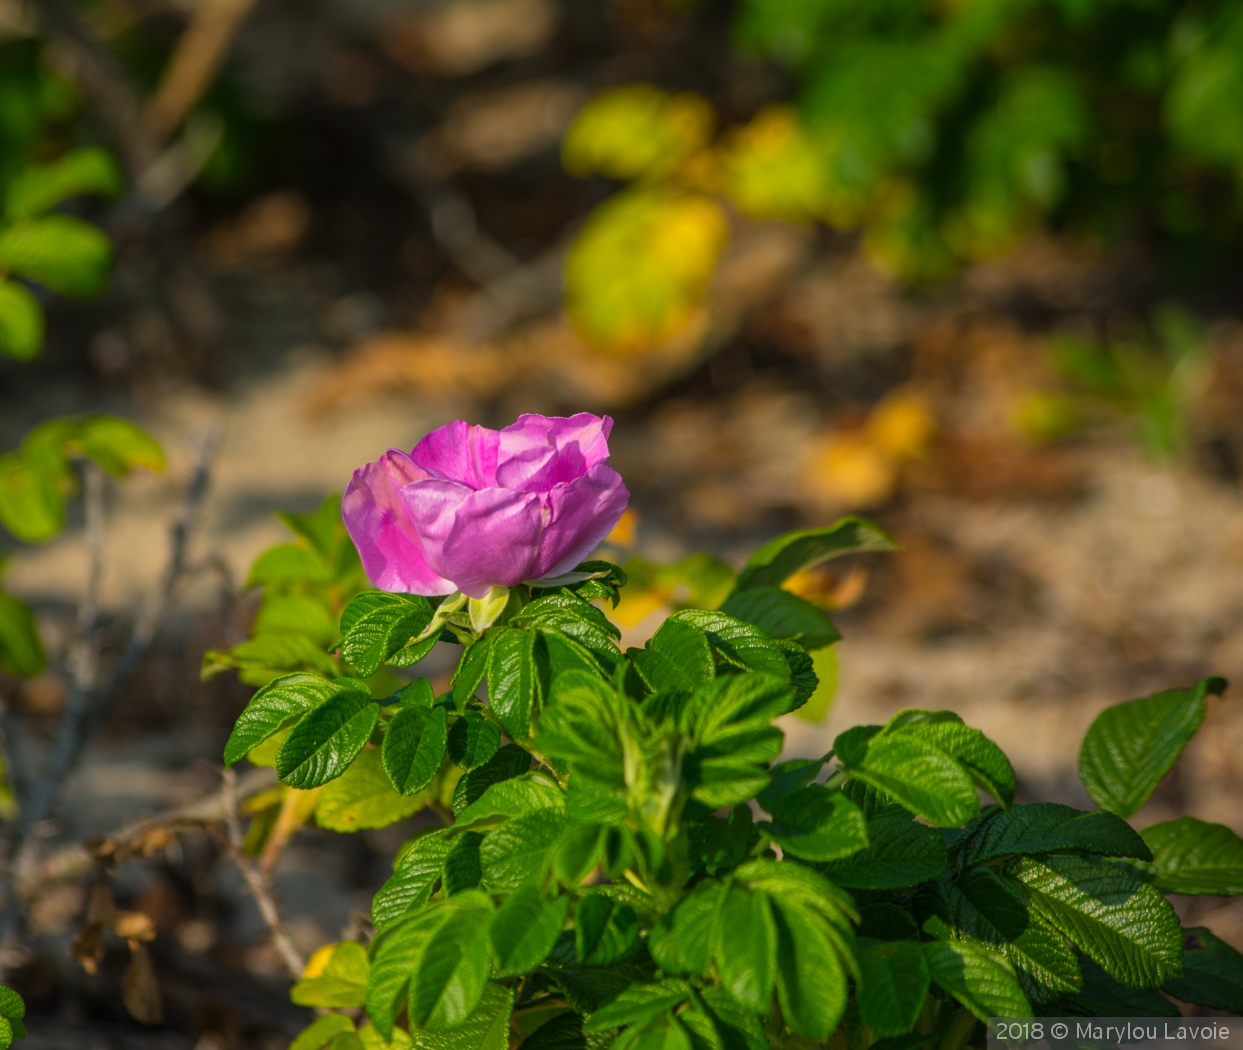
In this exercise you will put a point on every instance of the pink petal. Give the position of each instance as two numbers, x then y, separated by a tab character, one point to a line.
479	540
380	525
460	452
581	514
589	433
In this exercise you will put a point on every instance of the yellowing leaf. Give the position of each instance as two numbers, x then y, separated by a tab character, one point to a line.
775	170
637	271
636	130
850	470
902	424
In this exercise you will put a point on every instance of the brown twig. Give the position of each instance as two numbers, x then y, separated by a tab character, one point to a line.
258	881
198	55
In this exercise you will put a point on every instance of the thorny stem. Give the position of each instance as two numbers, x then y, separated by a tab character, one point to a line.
90	700
257	881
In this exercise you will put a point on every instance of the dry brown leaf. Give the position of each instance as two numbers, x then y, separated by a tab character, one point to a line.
140	991
87	949
134	926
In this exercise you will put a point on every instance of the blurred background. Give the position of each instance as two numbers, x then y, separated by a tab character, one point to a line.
970	268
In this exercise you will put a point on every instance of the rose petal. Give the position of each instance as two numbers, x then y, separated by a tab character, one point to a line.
432	505
590	433
581	514
381	527
460	452
494	539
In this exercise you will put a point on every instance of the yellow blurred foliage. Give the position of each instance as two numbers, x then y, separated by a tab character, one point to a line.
820	586
860	468
625	531
1041	416
776	170
636	131
698	581
638	270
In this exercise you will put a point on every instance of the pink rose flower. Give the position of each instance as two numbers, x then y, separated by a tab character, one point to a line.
471	508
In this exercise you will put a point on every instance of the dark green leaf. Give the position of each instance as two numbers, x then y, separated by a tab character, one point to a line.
1212	973
745	946
811	978
815	823
328	738
1108	912
639	1004
473	740
604	930
885	921
76	173
895	980
486	1028
681	942
451	969
563	1032
901	853
414	747
272	706
509	761
1196	858
736	643
983	760
1102	996
471	669
524	930
780	614
1130	747
1047	827
462	870
686	646
576	854
781	558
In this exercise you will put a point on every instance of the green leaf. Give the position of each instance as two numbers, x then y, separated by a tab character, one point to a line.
801	668
745	947
361	798
507	763
117	445
1108	912
895	980
824	666
639	1004
414	747
21	322
811	978
473	740
901	853
329	737
414	880
914	771
681	942
452	969
1212	973
518	796
12	1006
576	853
983	760
1130	747
288	563
604	929
269	656
815	823
524	930
21	651
462	869
1046	827
375	625
782	557
487	1027
340	983
32	505
271	707
296	614
512	688
737	643
984	983
1102	996
686	647
471	669
68	255
79	172
394	953
516	851
319	1033
780	614
1195	858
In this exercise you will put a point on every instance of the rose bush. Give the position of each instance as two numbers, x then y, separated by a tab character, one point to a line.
621	859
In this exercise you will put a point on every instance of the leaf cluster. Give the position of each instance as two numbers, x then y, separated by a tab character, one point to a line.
625	863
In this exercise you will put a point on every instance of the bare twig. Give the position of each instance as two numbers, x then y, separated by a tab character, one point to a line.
89	705
258	881
198	55
137	838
